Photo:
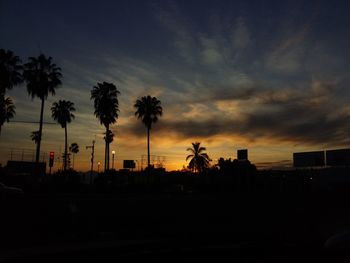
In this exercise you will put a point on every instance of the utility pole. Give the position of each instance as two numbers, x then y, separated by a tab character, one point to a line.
92	147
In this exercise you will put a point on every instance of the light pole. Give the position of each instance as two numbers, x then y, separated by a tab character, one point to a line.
113	153
98	167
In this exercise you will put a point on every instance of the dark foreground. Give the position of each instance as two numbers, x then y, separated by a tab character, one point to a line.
245	227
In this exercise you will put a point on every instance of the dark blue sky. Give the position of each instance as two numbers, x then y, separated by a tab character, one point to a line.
269	75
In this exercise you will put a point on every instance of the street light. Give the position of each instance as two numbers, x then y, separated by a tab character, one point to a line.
113	153
98	167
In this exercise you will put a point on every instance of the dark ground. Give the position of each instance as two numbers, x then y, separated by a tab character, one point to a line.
245	226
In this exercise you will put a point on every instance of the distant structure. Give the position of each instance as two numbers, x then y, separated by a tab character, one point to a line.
129	164
340	157
242	155
331	158
26	168
27	155
309	159
22	161
157	161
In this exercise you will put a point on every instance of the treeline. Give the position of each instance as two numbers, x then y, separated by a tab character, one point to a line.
43	77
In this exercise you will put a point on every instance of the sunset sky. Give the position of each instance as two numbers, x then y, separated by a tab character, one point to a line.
269	76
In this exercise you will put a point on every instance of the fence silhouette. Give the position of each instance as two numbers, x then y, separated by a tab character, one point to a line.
27	155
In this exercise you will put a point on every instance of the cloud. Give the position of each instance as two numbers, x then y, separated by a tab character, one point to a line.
241	36
285	115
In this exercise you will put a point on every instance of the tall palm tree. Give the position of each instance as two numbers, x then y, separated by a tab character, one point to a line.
62	113
199	159
42	77
74	149
148	109
7	110
105	96
10	70
35	136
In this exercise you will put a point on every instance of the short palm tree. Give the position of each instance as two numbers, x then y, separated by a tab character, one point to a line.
10	70
7	110
199	159
109	137
148	109
74	149
42	77
35	136
105	96
62	113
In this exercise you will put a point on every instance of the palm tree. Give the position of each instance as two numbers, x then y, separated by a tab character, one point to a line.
35	136
10	70
10	75
148	109
62	113
199	159
109	137
42	77
105	96
7	110
74	148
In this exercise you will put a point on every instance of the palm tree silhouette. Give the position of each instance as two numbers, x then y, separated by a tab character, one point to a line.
74	148
10	70
35	136
7	110
148	109
42	77
105	96
199	159
109	136
62	113
10	75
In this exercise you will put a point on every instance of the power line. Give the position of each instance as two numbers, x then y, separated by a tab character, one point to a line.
32	122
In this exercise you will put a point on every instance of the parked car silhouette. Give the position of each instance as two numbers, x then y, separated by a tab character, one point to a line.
10	191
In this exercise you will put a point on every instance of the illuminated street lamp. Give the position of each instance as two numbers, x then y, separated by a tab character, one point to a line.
113	153
98	167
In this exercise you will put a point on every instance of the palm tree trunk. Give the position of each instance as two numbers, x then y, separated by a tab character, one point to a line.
37	157
106	151
65	148
148	150
107	155
108	148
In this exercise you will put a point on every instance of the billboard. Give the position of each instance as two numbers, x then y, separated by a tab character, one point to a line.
21	167
308	159
242	154
129	164
340	157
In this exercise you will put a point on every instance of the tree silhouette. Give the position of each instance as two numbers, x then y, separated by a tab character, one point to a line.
10	76
148	109
62	113
7	110
74	149
199	159
10	70
35	136
105	96
42	77
109	136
